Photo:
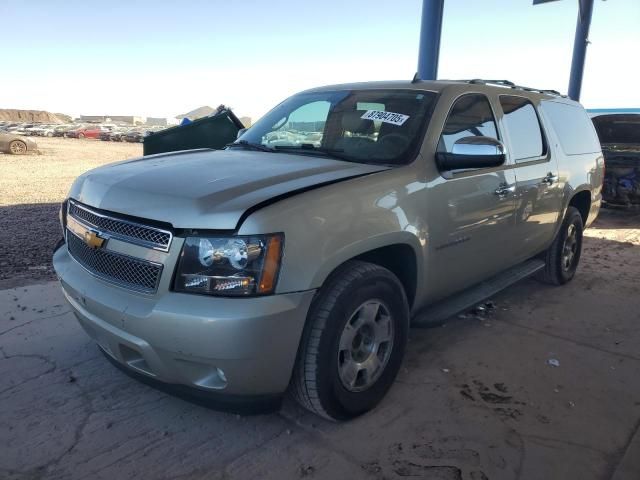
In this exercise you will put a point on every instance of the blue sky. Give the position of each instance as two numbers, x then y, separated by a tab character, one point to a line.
161	58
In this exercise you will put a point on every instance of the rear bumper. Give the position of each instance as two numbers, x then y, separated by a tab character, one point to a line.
235	347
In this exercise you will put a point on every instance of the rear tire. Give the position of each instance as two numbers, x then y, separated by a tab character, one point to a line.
353	343
563	256
18	147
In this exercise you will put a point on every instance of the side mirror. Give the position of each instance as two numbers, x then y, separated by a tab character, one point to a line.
241	132
472	152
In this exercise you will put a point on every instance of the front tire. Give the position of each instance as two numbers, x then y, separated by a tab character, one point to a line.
353	343
563	256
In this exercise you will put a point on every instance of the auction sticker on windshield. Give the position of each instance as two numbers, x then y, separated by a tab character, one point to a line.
386	117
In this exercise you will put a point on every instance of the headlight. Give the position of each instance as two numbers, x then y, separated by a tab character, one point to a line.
230	265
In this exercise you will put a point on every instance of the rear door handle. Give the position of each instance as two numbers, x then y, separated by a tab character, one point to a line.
550	179
504	190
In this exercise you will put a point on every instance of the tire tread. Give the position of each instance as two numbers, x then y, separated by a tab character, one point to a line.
303	386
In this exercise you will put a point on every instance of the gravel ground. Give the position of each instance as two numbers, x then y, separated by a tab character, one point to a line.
32	188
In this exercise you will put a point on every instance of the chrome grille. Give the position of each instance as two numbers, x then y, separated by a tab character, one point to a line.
122	229
117	268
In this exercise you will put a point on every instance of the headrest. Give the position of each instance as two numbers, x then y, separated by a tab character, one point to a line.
352	122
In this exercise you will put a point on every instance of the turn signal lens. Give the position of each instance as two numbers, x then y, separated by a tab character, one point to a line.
271	264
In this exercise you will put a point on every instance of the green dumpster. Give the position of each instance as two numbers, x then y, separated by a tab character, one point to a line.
214	132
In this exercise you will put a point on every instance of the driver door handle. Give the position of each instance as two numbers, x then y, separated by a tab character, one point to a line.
504	190
550	179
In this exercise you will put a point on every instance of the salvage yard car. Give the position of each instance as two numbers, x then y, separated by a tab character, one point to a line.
16	144
620	139
293	266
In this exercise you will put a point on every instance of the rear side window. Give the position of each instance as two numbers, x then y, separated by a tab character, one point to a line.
470	116
523	127
573	127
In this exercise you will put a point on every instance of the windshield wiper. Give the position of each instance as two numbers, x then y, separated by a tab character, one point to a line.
250	146
310	148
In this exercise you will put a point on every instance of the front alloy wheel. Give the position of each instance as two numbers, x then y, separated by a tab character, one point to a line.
18	147
365	346
353	342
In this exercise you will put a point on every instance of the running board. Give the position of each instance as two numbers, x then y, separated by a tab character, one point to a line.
437	313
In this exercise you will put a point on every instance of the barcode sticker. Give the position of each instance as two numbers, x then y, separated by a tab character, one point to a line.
386	117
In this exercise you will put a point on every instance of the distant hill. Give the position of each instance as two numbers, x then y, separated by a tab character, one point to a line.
35	116
65	118
197	113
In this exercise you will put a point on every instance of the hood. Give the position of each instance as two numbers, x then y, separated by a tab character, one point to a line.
206	188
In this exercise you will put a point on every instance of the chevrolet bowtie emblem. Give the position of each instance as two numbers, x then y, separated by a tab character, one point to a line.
92	239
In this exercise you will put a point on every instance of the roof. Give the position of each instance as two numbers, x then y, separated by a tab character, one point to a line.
440	85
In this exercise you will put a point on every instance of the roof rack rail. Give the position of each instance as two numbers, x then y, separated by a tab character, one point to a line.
496	82
507	83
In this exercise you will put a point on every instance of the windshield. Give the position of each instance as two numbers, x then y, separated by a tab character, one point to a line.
618	128
366	126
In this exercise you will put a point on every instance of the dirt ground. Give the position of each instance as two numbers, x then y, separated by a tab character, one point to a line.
543	385
31	189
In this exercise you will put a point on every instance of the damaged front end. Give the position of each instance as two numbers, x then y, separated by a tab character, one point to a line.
620	139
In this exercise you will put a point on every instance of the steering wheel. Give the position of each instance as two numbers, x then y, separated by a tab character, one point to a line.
394	141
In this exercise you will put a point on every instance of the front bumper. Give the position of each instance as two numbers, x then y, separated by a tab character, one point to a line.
230	346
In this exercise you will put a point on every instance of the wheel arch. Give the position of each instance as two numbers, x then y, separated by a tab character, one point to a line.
581	200
401	256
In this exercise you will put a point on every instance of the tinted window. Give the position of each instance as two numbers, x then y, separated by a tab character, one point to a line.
573	127
522	126
470	116
368	126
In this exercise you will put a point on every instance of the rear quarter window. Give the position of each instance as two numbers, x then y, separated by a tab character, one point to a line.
572	126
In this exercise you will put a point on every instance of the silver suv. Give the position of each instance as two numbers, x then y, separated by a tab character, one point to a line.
296	258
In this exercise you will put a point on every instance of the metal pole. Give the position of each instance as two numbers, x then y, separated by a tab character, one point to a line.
430	31
580	48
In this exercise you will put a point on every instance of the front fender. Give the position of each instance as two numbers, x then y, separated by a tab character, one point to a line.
330	225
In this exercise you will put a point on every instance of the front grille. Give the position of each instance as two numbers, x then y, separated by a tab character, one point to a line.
117	268
122	229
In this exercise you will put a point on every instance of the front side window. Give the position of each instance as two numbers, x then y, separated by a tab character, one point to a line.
522	126
470	116
365	126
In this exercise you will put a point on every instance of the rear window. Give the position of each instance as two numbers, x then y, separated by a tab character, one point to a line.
573	127
523	128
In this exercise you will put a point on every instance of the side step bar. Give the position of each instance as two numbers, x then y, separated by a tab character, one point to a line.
436	314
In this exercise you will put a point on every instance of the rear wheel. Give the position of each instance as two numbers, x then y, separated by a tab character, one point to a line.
353	342
563	256
18	147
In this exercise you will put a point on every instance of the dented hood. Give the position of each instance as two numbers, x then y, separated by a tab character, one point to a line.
206	188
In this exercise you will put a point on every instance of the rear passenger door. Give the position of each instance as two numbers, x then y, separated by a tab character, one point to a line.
538	195
471	210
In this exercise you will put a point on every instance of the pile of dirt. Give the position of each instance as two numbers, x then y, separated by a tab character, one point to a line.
32	116
197	113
